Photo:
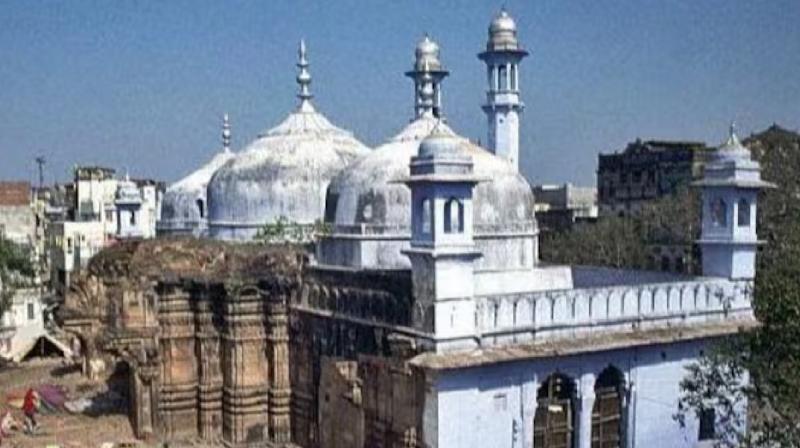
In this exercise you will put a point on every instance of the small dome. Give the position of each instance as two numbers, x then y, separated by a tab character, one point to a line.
184	207
503	23
427	55
732	149
502	33
367	203
440	144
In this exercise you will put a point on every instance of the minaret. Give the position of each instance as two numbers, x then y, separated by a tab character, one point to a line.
442	249
503	104
729	191
304	79
226	133
427	74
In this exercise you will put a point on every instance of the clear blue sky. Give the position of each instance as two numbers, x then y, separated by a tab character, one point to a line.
141	85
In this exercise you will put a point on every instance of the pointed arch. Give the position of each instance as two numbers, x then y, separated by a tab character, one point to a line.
554	419
453	216
608	411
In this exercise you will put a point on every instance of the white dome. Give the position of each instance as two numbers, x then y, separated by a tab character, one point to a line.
184	207
502	33
283	173
366	200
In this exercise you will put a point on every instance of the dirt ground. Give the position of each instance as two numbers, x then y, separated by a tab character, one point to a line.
62	428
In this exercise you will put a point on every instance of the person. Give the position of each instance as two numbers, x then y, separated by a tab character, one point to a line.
29	407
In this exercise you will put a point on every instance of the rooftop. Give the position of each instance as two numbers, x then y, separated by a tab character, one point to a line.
15	193
575	345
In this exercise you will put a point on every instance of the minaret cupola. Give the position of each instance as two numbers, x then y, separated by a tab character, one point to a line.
427	74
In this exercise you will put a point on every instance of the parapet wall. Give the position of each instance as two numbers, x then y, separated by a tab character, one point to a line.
548	314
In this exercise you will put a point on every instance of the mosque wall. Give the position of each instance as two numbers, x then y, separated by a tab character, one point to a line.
496	405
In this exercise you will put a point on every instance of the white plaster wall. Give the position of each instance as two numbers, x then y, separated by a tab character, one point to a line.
480	407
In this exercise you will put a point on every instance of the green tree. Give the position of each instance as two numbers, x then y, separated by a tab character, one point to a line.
625	242
16	269
284	231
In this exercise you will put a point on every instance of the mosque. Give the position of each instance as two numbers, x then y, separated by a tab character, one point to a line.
487	346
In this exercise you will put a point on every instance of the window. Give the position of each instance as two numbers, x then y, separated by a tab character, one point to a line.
500	402
608	411
665	263
453	216
31	314
718	214
69	245
680	267
743	213
707	419
553	421
133	218
331	200
425	225
502	81
201	209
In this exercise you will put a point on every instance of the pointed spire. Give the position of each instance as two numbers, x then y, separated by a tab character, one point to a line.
732	137
226	133
303	77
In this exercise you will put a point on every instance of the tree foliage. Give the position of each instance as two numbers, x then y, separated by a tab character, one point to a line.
285	231
15	269
624	242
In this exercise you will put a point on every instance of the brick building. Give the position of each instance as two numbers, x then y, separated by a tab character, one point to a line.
645	171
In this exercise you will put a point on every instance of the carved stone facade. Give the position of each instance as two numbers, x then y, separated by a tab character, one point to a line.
237	358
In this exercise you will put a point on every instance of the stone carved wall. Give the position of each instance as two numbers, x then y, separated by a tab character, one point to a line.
235	357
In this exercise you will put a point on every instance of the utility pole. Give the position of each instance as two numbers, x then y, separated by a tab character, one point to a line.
41	161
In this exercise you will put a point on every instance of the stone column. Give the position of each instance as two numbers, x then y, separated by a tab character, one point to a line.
529	404
585	405
245	369
630	408
178	398
278	354
208	356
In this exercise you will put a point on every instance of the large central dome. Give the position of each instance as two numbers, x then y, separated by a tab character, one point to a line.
369	209
370	212
282	174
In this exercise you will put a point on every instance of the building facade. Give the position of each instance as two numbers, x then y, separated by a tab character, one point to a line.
560	207
646	171
101	210
17	220
423	318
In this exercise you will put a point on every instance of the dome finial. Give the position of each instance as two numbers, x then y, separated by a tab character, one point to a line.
732	137
226	133
303	77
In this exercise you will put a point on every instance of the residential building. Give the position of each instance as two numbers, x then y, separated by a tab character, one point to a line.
17	221
560	207
645	171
